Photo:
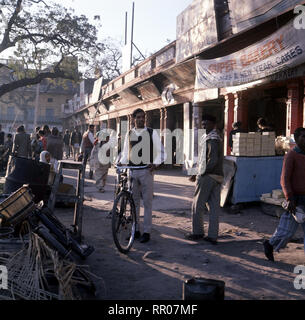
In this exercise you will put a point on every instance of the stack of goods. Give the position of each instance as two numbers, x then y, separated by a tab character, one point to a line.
253	144
276	197
240	144
268	144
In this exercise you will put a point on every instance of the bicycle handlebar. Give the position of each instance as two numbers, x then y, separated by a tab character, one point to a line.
131	167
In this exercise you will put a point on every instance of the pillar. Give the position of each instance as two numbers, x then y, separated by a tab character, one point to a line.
149	119
294	114
241	108
130	122
228	121
187	125
162	126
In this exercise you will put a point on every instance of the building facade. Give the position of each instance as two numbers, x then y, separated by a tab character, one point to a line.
198	73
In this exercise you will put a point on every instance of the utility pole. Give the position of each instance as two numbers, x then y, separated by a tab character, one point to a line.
36	105
131	42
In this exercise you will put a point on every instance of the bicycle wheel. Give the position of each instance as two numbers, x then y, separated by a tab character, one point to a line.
123	222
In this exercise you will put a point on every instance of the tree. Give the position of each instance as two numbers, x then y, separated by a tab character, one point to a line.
108	64
48	42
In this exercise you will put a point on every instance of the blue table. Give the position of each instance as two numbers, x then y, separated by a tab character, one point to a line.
255	176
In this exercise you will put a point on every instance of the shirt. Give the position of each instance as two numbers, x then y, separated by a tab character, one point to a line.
91	138
293	174
210	156
158	147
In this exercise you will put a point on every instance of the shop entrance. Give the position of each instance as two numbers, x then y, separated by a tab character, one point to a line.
269	104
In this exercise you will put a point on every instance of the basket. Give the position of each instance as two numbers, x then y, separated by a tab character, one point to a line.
16	202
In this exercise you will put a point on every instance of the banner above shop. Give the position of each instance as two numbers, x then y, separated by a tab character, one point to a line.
283	50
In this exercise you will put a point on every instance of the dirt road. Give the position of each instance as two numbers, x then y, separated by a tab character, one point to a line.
157	269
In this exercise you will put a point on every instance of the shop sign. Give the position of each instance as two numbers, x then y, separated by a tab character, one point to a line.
283	50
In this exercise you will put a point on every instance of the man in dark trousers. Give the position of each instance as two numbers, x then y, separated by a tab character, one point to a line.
22	144
8	146
55	144
87	146
142	178
75	141
208	182
293	185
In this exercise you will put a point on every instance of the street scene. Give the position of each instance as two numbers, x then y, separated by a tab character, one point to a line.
166	163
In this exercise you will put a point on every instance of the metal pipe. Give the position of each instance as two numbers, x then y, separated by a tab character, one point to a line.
131	42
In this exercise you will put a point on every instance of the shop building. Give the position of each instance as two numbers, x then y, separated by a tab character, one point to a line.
238	60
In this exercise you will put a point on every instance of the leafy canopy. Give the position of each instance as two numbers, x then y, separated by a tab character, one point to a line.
43	40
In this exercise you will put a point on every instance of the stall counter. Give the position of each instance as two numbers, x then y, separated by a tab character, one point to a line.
255	176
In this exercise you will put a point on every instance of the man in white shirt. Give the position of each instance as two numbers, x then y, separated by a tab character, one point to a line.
87	146
142	146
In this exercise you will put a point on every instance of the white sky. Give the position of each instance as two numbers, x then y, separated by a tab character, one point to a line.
155	20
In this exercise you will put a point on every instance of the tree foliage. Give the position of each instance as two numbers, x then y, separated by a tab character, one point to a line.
48	42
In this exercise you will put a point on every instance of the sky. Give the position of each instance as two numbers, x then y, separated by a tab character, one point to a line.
154	22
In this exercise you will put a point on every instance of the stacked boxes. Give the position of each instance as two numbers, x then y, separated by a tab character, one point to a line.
254	144
240	143
268	144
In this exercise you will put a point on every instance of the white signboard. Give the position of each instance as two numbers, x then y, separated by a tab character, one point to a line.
96	90
283	50
82	93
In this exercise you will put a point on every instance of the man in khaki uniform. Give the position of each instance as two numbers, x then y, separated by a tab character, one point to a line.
208	182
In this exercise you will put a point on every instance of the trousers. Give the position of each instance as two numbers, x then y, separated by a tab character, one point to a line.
143	184
100	175
207	192
286	228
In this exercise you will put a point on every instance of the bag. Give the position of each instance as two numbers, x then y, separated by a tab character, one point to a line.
80	157
299	215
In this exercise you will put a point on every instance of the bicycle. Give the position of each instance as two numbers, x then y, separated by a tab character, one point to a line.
124	221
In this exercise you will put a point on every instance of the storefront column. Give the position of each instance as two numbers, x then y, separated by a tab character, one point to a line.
195	126
118	126
228	121
241	108
294	115
187	139
162	116
149	119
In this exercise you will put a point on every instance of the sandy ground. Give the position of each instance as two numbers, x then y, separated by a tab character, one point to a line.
157	269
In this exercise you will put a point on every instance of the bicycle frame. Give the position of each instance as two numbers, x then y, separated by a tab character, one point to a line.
124	177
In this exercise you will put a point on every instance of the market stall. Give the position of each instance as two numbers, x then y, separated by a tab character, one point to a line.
258	158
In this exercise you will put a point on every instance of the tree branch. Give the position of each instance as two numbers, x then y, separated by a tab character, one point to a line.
5	88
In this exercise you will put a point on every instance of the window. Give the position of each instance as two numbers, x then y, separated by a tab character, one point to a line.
50	99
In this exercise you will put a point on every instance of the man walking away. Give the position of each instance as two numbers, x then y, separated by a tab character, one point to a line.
87	146
208	181
293	185
75	141
67	144
22	144
7	150
55	146
100	168
142	178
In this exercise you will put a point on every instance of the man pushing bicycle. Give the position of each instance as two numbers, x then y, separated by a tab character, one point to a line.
142	146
